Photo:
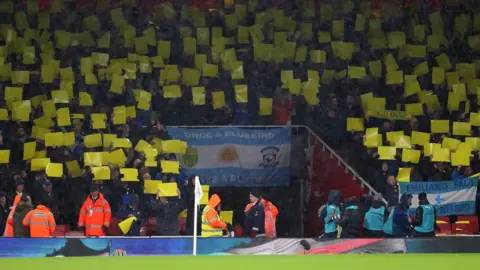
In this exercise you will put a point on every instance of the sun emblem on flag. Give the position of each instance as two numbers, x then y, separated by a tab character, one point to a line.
227	155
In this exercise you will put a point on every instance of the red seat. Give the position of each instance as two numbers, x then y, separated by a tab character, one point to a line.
114	230
63	227
445	225
74	233
473	222
58	233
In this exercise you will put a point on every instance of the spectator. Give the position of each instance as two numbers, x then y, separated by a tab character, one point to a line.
167	210
4	210
255	216
21	210
132	210
351	219
19	186
391	191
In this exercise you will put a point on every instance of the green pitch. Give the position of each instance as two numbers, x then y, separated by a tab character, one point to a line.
292	262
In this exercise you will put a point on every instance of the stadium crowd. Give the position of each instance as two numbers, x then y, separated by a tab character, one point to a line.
70	73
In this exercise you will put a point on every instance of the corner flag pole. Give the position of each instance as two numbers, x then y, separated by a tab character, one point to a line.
198	197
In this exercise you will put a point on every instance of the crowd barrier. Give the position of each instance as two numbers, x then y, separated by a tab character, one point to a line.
70	247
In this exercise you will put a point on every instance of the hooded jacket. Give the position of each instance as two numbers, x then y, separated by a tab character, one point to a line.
351	220
401	227
212	213
21	210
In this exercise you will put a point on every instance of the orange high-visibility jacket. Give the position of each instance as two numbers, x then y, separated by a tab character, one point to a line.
271	213
40	221
95	215
9	228
211	215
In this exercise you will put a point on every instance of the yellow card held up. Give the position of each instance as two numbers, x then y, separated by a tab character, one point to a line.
404	174
39	164
93	140
101	173
29	150
441	155
411	155
174	146
126	225
4	156
170	166
54	169
74	168
167	190
151	186
386	152
129	175
63	117
440	126
355	124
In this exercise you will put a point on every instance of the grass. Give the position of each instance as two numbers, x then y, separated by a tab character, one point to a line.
277	262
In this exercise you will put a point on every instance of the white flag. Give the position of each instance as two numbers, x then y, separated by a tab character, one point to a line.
198	190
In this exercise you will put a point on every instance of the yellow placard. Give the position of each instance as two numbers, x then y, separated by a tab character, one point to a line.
74	168
129	175
386	153
218	98
54	170
174	146
170	166
151	186
39	164
126	225
441	155
404	174
4	156
29	150
167	190
440	126
461	128
411	155
266	105
101	173
355	124
429	148
63	117
93	140
420	138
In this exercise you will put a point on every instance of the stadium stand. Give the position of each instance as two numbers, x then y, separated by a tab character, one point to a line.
89	86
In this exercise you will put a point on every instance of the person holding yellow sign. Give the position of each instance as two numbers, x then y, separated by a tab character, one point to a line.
212	226
168	205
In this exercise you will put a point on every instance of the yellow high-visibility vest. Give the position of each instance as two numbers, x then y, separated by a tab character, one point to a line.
207	230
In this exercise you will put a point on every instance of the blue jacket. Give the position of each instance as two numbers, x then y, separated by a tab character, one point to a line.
401	227
135	229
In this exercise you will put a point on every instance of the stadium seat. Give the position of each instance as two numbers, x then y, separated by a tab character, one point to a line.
445	226
63	228
74	233
472	221
114	230
58	233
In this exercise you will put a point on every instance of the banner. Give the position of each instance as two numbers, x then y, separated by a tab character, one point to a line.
449	197
397	115
236	157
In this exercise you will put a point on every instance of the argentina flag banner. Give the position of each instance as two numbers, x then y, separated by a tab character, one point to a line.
455	197
236	157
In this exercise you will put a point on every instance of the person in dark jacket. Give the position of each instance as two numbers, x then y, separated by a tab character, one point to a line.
425	218
189	191
401	226
255	217
375	218
132	210
4	211
330	214
167	210
351	220
21	210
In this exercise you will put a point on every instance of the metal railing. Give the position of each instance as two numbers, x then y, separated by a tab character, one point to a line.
341	161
